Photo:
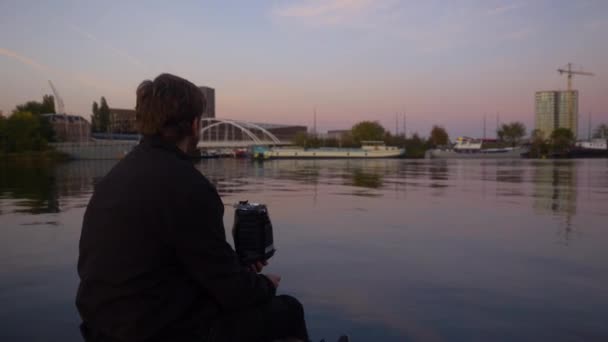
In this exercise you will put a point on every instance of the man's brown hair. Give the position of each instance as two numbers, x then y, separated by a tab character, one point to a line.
167	107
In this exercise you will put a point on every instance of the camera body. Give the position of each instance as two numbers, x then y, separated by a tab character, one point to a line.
252	232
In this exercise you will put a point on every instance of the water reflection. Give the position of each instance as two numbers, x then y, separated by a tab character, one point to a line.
364	179
400	249
33	184
555	192
37	187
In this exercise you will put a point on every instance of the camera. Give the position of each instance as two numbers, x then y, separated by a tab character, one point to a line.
252	232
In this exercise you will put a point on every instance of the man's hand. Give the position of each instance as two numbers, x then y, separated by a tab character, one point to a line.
275	279
258	266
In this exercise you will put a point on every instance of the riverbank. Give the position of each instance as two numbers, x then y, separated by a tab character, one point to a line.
35	156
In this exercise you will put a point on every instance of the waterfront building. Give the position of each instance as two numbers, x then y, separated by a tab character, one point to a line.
69	128
337	133
122	121
285	133
556	109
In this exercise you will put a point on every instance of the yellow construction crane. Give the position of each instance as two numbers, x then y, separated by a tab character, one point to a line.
568	71
571	73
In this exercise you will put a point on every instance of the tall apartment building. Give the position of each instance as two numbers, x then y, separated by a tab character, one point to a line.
556	109
210	97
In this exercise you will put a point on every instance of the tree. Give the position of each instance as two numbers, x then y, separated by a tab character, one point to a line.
306	140
561	140
439	136
512	133
367	131
3	137
47	106
95	117
537	135
104	115
538	144
601	132
416	146
22	133
347	140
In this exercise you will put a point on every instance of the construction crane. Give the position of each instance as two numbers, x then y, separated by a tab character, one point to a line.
568	71
59	101
60	109
571	73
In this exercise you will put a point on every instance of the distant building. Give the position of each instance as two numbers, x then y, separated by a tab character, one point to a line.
122	121
210	97
69	128
553	111
284	132
337	133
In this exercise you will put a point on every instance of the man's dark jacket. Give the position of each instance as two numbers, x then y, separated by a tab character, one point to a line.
154	263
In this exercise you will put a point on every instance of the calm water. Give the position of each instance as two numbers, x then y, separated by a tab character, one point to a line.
389	250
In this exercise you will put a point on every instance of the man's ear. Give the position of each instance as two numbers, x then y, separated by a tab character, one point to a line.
196	126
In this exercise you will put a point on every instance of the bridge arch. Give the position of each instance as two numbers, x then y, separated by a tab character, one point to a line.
246	128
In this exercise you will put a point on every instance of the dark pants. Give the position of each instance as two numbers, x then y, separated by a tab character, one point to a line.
282	317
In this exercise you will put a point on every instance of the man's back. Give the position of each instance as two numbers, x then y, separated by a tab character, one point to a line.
132	283
154	263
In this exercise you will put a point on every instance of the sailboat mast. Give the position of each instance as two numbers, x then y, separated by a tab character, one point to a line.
484	126
404	125
497	123
314	124
589	128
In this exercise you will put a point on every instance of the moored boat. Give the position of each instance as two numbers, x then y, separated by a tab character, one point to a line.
595	148
468	148
369	149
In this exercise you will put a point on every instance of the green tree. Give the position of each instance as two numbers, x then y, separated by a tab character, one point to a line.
330	142
306	140
538	144
104	115
95	117
416	146
3	137
22	133
512	133
562	140
47	106
439	136
367	131
601	132
347	140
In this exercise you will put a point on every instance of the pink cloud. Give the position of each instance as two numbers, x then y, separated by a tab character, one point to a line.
505	8
24	59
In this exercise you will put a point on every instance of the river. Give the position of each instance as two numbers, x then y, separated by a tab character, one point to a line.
384	250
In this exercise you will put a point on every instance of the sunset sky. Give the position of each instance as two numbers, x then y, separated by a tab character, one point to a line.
441	62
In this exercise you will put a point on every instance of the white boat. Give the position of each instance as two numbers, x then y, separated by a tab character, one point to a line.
594	144
369	149
468	148
596	148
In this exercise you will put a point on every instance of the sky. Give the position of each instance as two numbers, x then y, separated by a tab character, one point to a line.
440	62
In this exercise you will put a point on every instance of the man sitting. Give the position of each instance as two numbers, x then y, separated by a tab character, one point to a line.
154	263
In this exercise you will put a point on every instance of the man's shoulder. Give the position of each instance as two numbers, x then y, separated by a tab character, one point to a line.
156	168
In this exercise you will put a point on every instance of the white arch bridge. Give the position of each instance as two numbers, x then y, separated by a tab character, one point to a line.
226	133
